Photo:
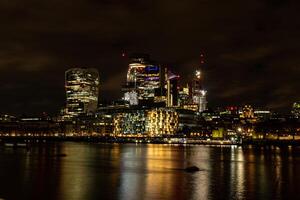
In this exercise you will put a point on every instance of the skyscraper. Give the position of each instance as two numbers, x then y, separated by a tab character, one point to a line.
144	80
82	90
172	90
197	92
184	96
296	109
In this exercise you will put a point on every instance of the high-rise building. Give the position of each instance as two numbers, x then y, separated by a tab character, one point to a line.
184	96
145	80
296	109
82	90
172	90
197	92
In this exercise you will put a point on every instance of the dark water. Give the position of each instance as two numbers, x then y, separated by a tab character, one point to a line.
113	171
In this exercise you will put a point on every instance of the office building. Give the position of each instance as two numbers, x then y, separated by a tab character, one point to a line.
172	89
82	90
296	109
198	93
145	80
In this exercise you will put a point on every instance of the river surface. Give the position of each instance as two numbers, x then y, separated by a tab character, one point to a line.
153	171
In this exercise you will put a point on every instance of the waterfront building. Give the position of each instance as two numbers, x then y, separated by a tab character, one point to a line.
82	90
131	122
162	122
30	127
189	121
152	122
134	122
99	124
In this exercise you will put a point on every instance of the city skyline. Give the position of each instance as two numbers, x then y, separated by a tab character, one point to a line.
150	99
250	59
181	83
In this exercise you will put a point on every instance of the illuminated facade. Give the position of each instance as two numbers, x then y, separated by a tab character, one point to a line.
82	90
130	122
134	122
162	121
144	80
146	122
247	112
131	97
118	124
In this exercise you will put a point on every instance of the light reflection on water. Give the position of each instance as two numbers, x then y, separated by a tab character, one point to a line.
137	171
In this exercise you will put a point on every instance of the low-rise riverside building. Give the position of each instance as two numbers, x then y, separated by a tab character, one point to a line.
150	122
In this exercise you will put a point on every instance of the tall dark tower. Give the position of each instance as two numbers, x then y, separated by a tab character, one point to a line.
198	93
172	90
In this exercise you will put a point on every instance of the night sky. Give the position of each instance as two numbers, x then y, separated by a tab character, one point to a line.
251	47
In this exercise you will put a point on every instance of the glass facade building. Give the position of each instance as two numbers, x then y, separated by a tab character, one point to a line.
162	122
145	80
198	93
146	122
82	90
296	109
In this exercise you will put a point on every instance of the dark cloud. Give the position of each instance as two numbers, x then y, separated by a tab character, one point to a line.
251	47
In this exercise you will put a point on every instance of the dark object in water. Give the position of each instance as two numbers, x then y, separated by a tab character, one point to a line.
60	155
192	169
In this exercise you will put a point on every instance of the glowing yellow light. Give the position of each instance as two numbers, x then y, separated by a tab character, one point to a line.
198	74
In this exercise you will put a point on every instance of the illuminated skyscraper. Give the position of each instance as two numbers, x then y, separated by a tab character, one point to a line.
172	90
296	109
198	93
82	90
144	80
184	96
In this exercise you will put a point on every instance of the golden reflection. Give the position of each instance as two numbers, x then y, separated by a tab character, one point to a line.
164	176
83	168
240	174
201	182
139	171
